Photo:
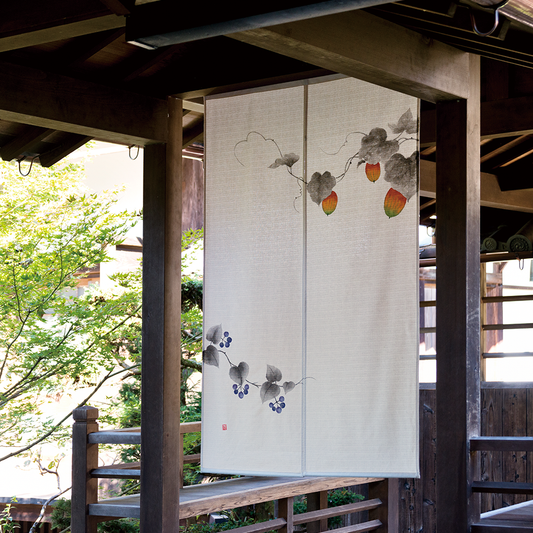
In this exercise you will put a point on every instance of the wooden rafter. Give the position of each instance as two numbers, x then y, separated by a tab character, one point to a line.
346	43
62	103
23	143
31	22
69	145
500	118
491	195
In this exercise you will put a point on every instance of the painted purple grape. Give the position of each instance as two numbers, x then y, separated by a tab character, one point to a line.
226	333
278	410
241	395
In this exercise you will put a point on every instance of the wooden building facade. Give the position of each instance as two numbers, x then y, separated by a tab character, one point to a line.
135	73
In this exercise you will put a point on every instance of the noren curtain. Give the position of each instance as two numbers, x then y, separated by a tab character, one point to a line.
311	281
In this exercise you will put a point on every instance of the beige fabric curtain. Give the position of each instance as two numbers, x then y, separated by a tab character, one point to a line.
311	282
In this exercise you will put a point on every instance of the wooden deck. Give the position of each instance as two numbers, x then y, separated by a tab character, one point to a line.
517	517
212	497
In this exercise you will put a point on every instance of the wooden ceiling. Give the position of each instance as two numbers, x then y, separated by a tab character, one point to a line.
68	75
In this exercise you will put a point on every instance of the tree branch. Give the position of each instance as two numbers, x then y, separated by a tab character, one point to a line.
56	426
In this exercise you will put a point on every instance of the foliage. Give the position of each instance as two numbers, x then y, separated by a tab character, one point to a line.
51	234
6	521
336	498
232	522
60	517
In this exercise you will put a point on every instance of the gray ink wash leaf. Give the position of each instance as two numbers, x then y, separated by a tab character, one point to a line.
401	173
287	159
269	391
320	186
214	334
239	373
288	386
375	148
406	123
210	356
273	373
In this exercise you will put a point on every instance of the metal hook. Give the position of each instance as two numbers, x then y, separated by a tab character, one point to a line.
521	263
496	20
137	154
491	31
29	169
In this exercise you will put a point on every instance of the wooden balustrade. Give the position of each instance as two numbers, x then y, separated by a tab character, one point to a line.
196	500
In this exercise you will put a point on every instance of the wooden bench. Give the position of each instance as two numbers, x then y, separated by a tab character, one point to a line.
208	498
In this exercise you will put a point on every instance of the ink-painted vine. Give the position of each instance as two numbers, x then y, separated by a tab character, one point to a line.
271	389
377	152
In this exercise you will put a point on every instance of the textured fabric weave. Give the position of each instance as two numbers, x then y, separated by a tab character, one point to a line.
311	282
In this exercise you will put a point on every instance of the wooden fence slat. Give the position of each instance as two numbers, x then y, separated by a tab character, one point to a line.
491	462
311	516
514	424
428	449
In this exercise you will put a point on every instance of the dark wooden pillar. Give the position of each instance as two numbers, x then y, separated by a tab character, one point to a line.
458	303
160	438
84	459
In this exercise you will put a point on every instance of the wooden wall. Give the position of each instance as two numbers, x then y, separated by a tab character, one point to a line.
505	412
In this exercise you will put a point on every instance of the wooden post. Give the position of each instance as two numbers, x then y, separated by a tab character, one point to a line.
387	513
286	511
458	306
84	459
160	436
315	502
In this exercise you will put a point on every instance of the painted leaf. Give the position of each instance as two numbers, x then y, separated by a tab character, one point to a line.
406	123
239	373
320	186
402	173
214	334
394	203
210	356
273	373
287	159
269	391
330	203
288	386
373	172
376	148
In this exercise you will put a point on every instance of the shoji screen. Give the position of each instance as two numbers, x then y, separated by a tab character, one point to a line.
311	281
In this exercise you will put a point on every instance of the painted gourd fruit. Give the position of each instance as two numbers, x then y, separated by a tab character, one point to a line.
329	204
394	203
373	172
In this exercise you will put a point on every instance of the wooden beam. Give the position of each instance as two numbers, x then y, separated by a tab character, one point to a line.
501	118
491	195
60	32
65	148
23	143
369	48
518	176
31	96
458	286
160	436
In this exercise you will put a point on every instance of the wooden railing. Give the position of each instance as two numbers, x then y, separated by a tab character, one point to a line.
87	510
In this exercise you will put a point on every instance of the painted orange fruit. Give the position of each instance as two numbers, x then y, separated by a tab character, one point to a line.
394	203
329	204
373	172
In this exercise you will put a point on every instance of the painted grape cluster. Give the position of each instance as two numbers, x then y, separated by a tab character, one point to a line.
270	389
